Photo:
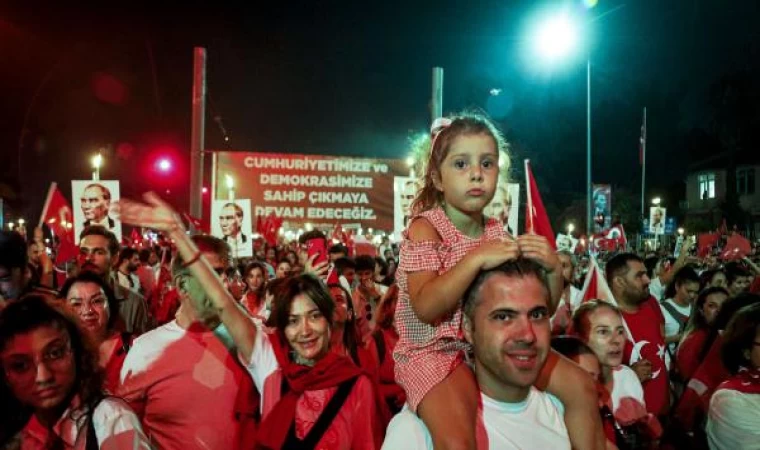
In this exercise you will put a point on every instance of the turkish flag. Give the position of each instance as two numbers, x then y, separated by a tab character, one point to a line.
58	216
705	243
737	247
271	226
536	219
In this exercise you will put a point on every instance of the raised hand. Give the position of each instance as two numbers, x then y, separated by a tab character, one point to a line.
493	253
537	248
154	213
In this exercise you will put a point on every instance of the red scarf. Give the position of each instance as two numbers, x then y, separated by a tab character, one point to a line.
746	381
330	371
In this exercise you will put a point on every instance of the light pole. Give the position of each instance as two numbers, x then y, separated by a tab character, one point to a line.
230	187
97	161
557	37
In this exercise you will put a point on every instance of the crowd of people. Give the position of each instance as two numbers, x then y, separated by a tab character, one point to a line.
463	336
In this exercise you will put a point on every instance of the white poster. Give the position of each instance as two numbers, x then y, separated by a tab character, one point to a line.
566	242
657	216
92	205
404	190
505	206
231	221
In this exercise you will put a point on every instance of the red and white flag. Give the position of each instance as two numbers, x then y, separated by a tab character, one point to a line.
57	214
595	287
536	219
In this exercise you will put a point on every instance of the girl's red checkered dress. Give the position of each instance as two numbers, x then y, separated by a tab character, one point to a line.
426	354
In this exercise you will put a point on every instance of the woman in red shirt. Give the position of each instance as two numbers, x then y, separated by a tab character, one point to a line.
691	350
93	301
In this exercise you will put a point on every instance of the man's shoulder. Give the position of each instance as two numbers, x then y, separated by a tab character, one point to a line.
407	431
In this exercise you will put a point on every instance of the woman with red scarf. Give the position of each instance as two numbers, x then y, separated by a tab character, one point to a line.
312	397
734	416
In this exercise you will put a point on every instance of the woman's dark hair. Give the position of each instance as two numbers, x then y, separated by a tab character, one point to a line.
386	308
683	275
288	289
707	277
90	277
739	337
697	319
28	315
383	266
727	311
351	337
571	347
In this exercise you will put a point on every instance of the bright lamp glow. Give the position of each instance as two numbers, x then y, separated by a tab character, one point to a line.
230	181
164	165
556	37
656	201
97	161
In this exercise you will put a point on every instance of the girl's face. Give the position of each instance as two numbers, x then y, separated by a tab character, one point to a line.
468	175
719	280
341	305
606	336
712	306
283	270
255	279
39	367
308	331
89	302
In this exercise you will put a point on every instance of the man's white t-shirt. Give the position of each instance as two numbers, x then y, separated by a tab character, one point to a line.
628	404
733	421
672	326
183	385
535	423
657	289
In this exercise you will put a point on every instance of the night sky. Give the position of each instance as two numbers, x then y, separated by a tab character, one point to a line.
353	78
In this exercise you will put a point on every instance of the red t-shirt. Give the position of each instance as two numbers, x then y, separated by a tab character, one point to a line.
649	343
687	356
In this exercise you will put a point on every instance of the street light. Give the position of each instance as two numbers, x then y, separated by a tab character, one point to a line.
570	228
230	186
681	231
97	161
656	201
557	37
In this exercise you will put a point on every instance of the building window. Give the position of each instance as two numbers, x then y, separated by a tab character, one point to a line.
707	186
745	181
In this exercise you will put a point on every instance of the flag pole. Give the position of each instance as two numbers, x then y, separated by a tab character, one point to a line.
47	202
643	162
529	216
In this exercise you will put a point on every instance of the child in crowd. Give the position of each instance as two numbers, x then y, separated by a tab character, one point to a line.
448	241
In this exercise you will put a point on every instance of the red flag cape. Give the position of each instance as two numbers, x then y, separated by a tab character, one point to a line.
536	219
58	216
737	247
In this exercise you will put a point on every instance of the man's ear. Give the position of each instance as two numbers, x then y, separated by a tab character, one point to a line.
467	328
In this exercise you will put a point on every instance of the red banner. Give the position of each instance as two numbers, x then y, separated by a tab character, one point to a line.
315	189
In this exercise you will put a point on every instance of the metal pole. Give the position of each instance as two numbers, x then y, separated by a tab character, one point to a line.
196	140
589	213
643	162
436	100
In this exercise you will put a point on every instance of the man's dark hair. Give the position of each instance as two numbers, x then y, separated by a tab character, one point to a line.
12	250
338	248
618	266
740	337
342	264
206	244
100	230
145	255
518	268
126	254
365	262
313	234
735	270
106	192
